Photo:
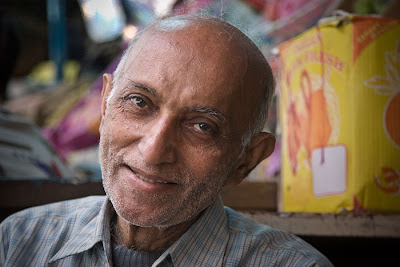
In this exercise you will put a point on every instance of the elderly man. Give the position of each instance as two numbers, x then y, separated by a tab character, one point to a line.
181	117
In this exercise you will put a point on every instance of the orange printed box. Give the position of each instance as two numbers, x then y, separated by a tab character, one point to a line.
340	116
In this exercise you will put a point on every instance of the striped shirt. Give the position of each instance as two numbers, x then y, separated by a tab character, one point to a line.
77	233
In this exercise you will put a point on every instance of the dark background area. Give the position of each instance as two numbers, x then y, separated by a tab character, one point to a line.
24	29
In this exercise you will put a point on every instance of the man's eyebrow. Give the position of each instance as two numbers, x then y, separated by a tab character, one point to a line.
141	86
209	111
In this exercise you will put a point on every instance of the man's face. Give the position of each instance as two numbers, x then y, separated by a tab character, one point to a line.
171	134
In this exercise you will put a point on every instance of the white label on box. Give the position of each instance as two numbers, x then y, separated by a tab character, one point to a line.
329	170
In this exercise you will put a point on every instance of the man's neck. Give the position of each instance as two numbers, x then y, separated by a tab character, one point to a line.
147	238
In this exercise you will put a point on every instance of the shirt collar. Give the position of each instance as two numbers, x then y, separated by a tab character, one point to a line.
95	231
205	242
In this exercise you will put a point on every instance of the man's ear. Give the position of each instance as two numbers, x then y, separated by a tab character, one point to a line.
260	148
107	87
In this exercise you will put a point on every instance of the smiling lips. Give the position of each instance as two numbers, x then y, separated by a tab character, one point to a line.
141	177
148	180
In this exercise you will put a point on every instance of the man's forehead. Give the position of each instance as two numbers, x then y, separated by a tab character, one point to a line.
196	28
193	41
216	59
223	60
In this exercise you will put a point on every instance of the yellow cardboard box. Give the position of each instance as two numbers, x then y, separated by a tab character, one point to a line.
340	116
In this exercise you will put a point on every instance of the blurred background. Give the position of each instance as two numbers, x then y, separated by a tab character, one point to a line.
54	53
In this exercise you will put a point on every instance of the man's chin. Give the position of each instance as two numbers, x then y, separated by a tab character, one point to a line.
148	221
144	217
147	218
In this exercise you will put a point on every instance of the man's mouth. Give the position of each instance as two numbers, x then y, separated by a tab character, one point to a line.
141	177
148	180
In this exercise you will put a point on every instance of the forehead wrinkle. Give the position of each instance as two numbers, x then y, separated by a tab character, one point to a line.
141	86
131	56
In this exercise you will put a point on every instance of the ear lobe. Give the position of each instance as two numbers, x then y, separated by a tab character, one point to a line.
107	86
260	148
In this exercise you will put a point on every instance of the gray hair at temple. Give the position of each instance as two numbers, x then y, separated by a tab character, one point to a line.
175	22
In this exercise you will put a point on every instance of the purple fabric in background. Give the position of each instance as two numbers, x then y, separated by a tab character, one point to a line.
79	128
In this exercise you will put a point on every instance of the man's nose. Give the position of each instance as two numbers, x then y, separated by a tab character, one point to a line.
158	142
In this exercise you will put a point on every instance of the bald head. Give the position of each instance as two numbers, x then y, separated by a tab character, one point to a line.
181	118
215	45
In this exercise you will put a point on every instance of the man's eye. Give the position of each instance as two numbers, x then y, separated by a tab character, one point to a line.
138	101
204	127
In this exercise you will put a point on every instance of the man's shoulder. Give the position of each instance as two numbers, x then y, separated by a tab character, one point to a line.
35	235
264	241
241	225
87	206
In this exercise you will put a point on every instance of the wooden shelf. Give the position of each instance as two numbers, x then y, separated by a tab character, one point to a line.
23	194
339	225
255	200
251	196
